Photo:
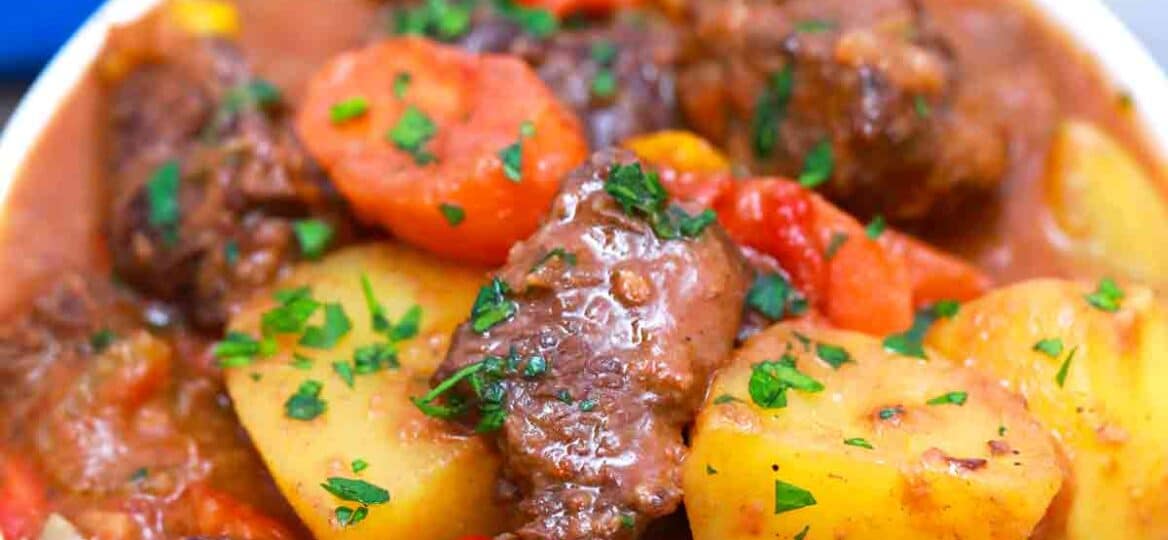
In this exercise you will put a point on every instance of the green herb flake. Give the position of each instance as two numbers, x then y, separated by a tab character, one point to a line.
859	442
564	397
603	52
344	370
453	213
946	308
407	327
1107	296
401	84
100	340
139	475
301	362
491	306
628	521
313	235
876	227
770	380
640	193
922	107
888	413
725	398
774	297
411	133
950	398
440	19
770	110
555	253
536	366
296	307
814	26
1061	376
1052	347
231	252
710	471
305	404
817	166
834	355
355	490
348	109
162	198
512	158
1001	431
802	535
238	349
838	239
604	83
588	405
537	22
790	497
351	516
911	342
336	326
374	357
256	93
359	465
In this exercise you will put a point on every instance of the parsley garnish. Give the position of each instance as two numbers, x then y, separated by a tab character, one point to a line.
491	306
946	308
725	398
231	252
486	380
355	490
641	193
564	396
375	357
351	516
305	404
439	19
860	442
802	535
1107	296
512	155
588	405
348	109
359	465
817	166
100	340
453	213
401	84
628	521
256	93
949	398
770	110
411	133
770	380
875	227
773	296
1061	376
921	106
336	326
1001	431
139	474
888	413
345	372
604	83
162	191
834	355
301	362
790	497
710	471
238	349
407	327
910	342
555	253
538	22
838	239
814	26
313	235
1051	347
536	366
296	307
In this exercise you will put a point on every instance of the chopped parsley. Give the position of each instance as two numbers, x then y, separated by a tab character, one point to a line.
949	398
453	213
860	442
725	398
802	535
162	194
564	396
922	107
1052	347
237	349
401	84
440	19
486	379
774	297
537	22
491	306
1001	431
838	239
374	357
628	521
834	355
296	307
256	93
379	321
139	475
604	83
313	235
100	340
770	380
814	26
790	497
710	471
1107	296
336	326
536	366
345	371
770	110
359	465
876	227
512	155
411	133
888	413
640	193
555	253
348	109
351	516
588	405
910	342
231	252
301	362
406	328
1061	376
817	166
305	404
355	490
946	308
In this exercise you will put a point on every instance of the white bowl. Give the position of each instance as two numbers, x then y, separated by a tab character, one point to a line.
1089	22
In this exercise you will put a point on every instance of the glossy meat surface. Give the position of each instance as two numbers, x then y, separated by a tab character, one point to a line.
631	333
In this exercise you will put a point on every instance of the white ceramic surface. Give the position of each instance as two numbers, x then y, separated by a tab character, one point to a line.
1090	22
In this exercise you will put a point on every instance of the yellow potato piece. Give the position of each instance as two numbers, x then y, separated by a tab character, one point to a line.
1111	413
441	484
923	477
679	150
1113	214
211	18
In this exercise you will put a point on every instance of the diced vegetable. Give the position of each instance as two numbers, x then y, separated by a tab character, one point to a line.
1113	213
456	153
23	503
866	456
678	150
1103	392
417	475
213	18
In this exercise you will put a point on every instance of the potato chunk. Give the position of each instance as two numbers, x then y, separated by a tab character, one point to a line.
1110	411
440	484
1113	214
871	452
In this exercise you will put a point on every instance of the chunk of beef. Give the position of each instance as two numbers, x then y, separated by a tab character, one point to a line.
243	178
631	327
772	80
616	74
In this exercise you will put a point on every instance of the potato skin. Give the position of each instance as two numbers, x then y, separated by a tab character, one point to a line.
922	479
1110	415
441	484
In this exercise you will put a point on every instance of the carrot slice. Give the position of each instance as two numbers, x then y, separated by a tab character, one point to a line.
935	275
457	153
23	503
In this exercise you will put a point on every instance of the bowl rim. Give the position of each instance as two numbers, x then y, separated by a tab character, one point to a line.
1090	24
